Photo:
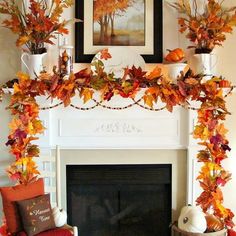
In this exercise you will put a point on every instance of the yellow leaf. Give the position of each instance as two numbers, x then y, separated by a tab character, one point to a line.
15	124
22	40
30	128
148	100
38	126
201	132
87	94
222	130
22	77
16	88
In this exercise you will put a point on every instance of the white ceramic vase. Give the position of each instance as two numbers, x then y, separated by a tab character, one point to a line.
33	63
204	63
174	70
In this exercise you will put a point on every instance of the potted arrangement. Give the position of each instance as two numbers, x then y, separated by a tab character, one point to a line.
206	29
36	26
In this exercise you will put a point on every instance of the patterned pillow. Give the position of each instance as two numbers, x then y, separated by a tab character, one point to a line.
36	214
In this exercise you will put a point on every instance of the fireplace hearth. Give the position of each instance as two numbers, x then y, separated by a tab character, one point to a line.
119	200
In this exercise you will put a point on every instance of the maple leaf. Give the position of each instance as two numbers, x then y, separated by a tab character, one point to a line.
83	76
137	73
108	95
32	151
202	132
86	94
15	124
212	124
10	142
221	130
182	88
23	77
216	139
203	156
20	134
54	82
156	73
35	127
205	200
62	30
22	40
14	176
225	147
129	88
191	81
149	100
105	54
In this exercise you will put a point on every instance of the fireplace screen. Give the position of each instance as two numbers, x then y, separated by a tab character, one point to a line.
119	200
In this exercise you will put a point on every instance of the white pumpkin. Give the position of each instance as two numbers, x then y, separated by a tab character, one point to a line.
192	220
60	216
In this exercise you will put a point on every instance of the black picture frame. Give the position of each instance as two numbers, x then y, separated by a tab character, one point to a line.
157	55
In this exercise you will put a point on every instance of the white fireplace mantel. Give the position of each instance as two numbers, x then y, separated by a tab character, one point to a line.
133	128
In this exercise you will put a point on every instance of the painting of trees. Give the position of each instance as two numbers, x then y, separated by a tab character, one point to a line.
119	22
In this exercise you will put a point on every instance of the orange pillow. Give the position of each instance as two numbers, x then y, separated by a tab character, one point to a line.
231	232
17	193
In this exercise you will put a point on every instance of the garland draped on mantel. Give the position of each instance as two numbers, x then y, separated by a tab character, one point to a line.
210	130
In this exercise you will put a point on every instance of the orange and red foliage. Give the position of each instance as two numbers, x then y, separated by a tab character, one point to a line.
36	25
210	129
206	29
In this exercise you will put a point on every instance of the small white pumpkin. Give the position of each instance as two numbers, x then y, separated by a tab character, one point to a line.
192	220
60	216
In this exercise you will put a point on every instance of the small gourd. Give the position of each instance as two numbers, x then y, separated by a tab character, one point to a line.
60	216
192	220
214	224
224	84
175	55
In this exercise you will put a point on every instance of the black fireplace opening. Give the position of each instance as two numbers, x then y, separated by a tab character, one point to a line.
119	200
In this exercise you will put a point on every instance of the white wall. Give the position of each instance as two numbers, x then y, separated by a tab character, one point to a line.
10	63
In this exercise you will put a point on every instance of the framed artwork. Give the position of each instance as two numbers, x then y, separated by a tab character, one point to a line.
136	24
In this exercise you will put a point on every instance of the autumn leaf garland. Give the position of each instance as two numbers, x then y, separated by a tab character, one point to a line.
212	133
25	125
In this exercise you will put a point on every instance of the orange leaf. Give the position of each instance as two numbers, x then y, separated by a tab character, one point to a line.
22	40
105	54
156	73
222	130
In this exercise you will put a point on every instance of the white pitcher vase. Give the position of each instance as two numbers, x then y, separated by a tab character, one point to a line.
175	69
204	63
33	63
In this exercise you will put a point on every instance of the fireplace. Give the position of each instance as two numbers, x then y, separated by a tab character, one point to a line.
120	200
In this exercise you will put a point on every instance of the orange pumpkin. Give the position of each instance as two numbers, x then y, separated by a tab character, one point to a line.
175	55
224	84
214	224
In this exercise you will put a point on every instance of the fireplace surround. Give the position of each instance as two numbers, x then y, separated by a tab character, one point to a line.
176	158
128	137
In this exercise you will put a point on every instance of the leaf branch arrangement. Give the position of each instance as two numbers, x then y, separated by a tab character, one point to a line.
206	29
36	25
26	125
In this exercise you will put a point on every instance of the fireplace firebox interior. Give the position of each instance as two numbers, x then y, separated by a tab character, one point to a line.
119	200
